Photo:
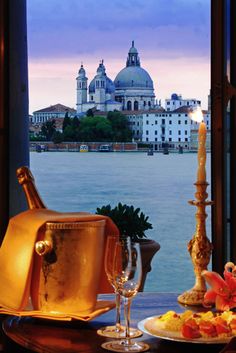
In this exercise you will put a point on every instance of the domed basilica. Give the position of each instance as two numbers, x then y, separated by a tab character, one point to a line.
132	88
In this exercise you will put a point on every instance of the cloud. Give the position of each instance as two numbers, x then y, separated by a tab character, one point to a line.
79	27
172	38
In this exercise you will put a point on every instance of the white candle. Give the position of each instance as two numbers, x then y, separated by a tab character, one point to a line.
201	172
197	116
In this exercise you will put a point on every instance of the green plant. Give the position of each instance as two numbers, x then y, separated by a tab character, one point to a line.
129	220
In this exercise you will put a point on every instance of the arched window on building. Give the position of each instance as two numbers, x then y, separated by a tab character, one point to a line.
129	105
135	105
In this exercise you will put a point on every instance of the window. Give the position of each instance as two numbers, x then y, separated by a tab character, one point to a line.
147	122
144	66
155	132
170	139
179	132
155	139
129	105
135	105
186	122
186	139
163	121
147	132
179	139
147	139
186	132
155	122
170	122
170	132
179	122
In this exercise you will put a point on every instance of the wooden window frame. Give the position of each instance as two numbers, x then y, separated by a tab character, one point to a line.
223	153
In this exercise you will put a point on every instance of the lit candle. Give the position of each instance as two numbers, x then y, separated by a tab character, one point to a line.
201	172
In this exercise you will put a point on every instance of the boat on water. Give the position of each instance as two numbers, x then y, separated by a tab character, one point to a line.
84	148
41	148
105	148
165	151
150	152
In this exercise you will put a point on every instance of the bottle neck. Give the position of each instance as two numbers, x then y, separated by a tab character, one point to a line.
26	180
32	196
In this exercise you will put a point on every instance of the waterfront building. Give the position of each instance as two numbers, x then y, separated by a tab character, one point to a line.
176	101
160	127
132	88
52	112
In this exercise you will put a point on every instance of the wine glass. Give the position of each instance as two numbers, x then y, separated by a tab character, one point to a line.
127	271
117	330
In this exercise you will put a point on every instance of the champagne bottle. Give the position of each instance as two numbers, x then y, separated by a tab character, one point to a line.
26	179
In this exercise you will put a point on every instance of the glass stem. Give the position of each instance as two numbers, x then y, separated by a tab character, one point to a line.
118	304
127	303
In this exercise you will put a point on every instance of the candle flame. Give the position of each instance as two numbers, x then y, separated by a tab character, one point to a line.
196	115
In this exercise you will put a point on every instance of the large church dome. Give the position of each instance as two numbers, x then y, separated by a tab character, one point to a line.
133	77
134	86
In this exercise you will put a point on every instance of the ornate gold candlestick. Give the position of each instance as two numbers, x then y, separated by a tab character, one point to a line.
199	247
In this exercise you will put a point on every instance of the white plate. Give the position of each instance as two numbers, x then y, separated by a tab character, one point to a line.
176	336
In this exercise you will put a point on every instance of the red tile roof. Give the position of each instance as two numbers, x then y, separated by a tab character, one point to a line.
57	108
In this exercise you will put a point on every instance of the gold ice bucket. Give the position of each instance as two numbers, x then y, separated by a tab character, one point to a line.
67	267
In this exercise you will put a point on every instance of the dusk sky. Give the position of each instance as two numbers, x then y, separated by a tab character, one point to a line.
172	38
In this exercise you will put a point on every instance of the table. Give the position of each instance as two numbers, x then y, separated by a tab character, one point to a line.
45	336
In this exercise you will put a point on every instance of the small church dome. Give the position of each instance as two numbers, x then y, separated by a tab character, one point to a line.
110	87
174	96
101	73
82	70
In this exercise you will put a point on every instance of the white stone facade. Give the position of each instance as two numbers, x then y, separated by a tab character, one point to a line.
53	112
131	90
176	101
160	127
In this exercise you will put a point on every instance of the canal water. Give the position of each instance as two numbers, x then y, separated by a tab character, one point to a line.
160	185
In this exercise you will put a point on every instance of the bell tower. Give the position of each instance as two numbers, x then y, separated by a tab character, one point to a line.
81	89
133	58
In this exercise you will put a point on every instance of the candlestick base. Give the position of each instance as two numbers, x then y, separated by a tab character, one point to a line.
192	297
199	248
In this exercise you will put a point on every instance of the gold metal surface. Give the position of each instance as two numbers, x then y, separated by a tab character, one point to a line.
199	247
66	278
26	180
43	247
